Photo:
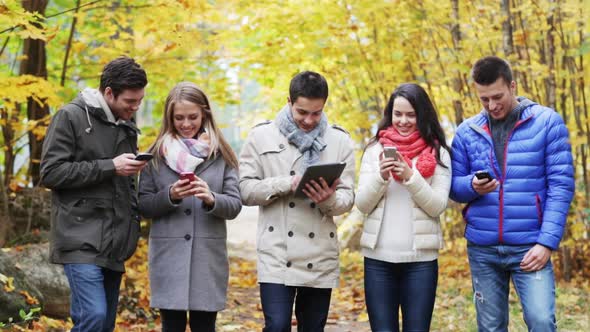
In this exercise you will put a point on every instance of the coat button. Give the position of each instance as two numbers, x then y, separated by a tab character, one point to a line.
187	212
291	204
270	228
309	266
331	234
311	235
290	233
288	264
312	205
292	173
132	186
138	218
281	146
187	237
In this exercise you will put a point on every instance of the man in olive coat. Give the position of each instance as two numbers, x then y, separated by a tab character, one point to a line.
296	239
88	163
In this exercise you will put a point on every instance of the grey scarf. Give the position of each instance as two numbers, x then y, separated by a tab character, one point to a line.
309	144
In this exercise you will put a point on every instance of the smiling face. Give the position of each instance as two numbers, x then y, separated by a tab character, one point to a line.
125	104
498	98
403	116
187	118
307	113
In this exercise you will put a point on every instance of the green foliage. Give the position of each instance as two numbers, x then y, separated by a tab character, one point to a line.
27	316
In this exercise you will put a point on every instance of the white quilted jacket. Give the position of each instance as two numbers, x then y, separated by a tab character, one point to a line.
430	197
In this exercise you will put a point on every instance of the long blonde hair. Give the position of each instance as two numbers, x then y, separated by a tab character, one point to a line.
189	92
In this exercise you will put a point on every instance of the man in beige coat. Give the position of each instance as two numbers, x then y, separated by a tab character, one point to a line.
296	237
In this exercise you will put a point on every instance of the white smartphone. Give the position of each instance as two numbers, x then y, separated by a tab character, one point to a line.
390	152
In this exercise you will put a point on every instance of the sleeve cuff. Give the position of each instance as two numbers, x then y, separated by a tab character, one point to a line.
210	208
107	166
325	205
281	188
173	202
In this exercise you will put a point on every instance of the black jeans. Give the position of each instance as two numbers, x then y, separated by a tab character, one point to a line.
311	307
200	321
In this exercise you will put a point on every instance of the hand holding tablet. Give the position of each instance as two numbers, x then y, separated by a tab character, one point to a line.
329	172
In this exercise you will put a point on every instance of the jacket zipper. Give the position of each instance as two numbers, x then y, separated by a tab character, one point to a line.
503	178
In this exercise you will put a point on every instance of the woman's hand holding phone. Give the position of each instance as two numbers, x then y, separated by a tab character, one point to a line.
386	165
191	185
390	161
180	189
202	191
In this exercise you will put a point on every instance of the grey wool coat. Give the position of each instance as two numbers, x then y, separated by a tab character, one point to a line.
188	263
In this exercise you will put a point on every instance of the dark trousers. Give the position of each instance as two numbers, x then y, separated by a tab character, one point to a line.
199	321
311	307
389	286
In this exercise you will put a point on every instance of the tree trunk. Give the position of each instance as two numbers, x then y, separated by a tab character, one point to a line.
35	63
6	224
507	41
457	81
550	58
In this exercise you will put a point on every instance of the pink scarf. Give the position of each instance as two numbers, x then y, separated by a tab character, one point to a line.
409	147
184	154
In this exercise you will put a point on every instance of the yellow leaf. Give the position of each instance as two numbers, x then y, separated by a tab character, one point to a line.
28	298
9	285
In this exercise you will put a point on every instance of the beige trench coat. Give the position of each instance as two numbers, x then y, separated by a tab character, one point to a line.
296	240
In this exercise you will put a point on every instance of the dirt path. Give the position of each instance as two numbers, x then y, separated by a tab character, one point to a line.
243	289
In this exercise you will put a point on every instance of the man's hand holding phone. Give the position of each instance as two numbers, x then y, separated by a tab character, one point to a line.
483	182
126	164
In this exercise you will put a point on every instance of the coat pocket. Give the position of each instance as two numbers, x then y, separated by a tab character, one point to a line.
132	239
80	224
539	206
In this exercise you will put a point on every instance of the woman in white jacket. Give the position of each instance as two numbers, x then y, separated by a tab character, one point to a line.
403	198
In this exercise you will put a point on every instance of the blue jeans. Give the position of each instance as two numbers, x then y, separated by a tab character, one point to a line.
492	267
94	297
311	307
389	286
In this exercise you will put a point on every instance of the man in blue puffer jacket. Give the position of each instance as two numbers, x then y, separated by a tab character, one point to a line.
517	218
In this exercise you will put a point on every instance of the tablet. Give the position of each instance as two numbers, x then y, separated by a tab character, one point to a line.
330	172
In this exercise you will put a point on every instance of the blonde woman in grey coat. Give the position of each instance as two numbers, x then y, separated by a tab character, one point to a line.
188	264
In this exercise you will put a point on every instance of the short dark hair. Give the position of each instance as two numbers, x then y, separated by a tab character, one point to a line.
308	84
121	74
487	70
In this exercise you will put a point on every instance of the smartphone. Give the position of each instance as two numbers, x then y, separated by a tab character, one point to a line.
390	152
188	175
144	156
480	175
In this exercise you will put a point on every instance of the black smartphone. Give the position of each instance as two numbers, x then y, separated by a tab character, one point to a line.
480	175
144	156
390	152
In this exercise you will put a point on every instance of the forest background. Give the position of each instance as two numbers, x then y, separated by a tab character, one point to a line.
244	53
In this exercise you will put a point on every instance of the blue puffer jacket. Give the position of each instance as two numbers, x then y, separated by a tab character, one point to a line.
532	201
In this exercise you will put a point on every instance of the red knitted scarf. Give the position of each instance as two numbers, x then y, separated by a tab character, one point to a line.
409	147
